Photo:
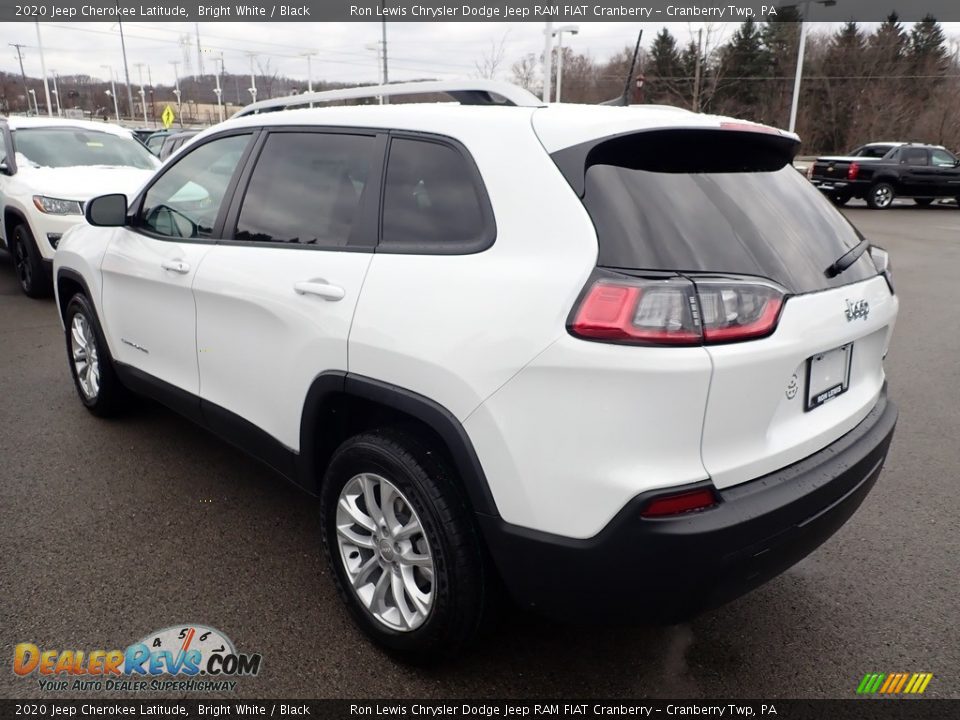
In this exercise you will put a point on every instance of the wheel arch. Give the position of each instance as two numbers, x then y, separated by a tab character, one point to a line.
13	216
339	405
67	283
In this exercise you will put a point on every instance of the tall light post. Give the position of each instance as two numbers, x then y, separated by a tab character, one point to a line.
176	90
253	81
547	60
375	47
573	30
143	93
126	69
113	91
218	91
56	92
43	69
805	4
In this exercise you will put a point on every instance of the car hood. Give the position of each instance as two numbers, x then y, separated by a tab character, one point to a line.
83	183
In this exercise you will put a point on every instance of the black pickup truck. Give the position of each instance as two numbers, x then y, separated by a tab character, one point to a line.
921	172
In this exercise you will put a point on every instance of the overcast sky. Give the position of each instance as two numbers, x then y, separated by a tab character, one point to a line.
415	50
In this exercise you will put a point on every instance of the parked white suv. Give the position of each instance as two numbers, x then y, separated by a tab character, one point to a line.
624	360
48	168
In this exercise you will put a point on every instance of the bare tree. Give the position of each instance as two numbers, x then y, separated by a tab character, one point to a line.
488	65
525	72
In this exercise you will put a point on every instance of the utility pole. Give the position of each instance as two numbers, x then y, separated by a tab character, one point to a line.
383	31
43	69
56	91
26	90
176	91
153	111
196	29
696	72
143	92
547	61
126	70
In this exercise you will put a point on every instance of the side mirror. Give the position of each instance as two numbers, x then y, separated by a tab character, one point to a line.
106	211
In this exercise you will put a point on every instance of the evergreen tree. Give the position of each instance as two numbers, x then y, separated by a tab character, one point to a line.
745	62
663	69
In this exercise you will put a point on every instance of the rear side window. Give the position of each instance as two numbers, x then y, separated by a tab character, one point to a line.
768	222
306	189
914	156
433	200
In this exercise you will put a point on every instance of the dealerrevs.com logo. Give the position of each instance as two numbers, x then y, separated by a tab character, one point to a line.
181	658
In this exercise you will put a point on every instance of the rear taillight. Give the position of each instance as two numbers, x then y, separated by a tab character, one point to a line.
676	310
679	503
853	171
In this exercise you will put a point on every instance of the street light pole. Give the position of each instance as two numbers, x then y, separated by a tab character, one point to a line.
801	50
56	91
126	70
43	69
218	91
143	93
547	61
176	91
573	30
113	91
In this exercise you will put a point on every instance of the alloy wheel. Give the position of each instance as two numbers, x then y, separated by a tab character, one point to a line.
385	552
883	196
86	359
21	261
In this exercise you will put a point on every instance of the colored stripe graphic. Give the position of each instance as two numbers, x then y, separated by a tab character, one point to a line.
894	683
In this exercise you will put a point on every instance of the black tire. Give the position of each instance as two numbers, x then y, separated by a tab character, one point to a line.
460	587
880	196
28	264
840	199
923	202
111	396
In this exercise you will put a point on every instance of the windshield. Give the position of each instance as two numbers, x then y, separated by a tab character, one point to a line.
72	147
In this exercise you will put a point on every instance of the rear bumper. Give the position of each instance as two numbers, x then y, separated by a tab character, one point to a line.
666	570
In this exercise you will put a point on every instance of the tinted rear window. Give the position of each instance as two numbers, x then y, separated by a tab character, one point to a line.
770	223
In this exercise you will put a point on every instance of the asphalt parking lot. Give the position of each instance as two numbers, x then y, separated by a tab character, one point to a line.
112	529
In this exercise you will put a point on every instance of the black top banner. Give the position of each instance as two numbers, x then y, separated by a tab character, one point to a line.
657	11
488	709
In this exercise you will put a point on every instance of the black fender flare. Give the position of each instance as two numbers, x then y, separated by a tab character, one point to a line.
320	403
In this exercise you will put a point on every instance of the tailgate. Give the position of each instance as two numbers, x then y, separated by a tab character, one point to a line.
757	418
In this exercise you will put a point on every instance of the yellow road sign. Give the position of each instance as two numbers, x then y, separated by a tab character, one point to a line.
167	117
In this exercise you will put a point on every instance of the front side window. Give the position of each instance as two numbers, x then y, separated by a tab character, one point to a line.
185	200
306	189
73	147
941	158
431	197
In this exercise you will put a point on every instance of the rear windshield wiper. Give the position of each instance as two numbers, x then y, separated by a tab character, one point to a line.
847	259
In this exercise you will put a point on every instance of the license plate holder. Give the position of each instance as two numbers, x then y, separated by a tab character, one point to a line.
828	375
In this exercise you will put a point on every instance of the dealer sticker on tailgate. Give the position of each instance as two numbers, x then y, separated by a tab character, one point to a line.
828	375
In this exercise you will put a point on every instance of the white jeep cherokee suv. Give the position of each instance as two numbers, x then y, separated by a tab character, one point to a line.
617	360
48	168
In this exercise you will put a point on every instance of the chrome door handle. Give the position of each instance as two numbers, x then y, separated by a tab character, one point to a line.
177	266
320	288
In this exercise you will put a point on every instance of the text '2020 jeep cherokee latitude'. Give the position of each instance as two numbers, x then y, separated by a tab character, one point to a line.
625	360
